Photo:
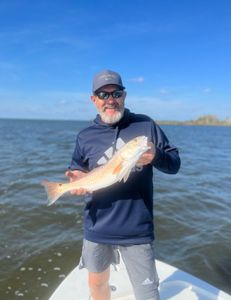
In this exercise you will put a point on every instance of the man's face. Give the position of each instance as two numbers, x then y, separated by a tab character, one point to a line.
111	110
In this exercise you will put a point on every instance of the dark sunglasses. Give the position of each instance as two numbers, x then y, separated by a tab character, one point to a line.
105	95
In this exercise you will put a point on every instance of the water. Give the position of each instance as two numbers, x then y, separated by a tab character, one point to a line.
39	245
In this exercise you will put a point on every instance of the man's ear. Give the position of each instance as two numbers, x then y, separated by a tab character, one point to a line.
93	98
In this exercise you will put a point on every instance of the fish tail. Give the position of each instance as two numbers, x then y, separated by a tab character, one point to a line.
54	191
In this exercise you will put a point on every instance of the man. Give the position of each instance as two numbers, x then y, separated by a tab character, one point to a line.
119	220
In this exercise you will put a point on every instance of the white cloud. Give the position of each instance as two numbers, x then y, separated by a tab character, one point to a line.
78	106
164	91
46	105
179	109
207	90
139	79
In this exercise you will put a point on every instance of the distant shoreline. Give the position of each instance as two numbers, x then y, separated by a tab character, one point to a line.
190	123
206	120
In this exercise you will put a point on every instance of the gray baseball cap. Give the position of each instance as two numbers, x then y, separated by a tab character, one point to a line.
106	77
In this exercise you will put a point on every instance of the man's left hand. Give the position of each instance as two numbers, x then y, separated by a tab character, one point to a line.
148	156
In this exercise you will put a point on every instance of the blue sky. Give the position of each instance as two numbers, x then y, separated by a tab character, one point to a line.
174	56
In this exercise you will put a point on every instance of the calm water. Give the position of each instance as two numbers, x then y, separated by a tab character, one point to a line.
39	245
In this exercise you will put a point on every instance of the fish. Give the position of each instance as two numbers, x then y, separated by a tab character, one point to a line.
116	169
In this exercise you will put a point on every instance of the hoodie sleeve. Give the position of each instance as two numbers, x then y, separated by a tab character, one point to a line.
78	161
167	157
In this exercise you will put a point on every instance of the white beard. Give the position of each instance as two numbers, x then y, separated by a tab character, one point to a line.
112	119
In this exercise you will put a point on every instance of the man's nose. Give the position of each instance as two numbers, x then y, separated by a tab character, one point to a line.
111	99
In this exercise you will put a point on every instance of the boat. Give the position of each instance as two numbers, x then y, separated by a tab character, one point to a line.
175	284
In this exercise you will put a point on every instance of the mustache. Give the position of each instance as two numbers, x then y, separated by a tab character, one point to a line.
111	106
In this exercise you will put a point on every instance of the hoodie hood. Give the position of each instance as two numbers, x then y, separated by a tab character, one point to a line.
116	126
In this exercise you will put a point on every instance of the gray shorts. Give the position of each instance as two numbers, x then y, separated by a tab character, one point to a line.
138	259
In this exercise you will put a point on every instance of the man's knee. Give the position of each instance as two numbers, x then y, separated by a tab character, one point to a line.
99	281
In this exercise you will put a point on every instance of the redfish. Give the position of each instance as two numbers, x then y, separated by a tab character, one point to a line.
118	168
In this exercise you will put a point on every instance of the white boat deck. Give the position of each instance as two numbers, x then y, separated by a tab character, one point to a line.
174	285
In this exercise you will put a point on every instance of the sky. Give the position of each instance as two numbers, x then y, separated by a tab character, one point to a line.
174	56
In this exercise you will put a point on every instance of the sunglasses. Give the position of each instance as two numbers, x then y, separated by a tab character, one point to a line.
105	95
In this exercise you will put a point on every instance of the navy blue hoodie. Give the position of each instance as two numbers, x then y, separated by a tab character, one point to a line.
122	214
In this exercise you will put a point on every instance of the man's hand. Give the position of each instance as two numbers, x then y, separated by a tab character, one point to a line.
73	176
148	156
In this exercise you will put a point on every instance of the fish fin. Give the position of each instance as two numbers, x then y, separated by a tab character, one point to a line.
54	191
124	174
125	178
118	168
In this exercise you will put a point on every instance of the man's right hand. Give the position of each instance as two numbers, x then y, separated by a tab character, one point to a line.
73	176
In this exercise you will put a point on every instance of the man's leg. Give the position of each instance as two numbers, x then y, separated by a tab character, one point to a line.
140	264
96	258
99	285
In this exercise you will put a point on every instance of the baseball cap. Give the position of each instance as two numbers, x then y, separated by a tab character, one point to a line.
106	77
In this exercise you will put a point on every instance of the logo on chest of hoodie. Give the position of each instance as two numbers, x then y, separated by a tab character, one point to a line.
110	151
